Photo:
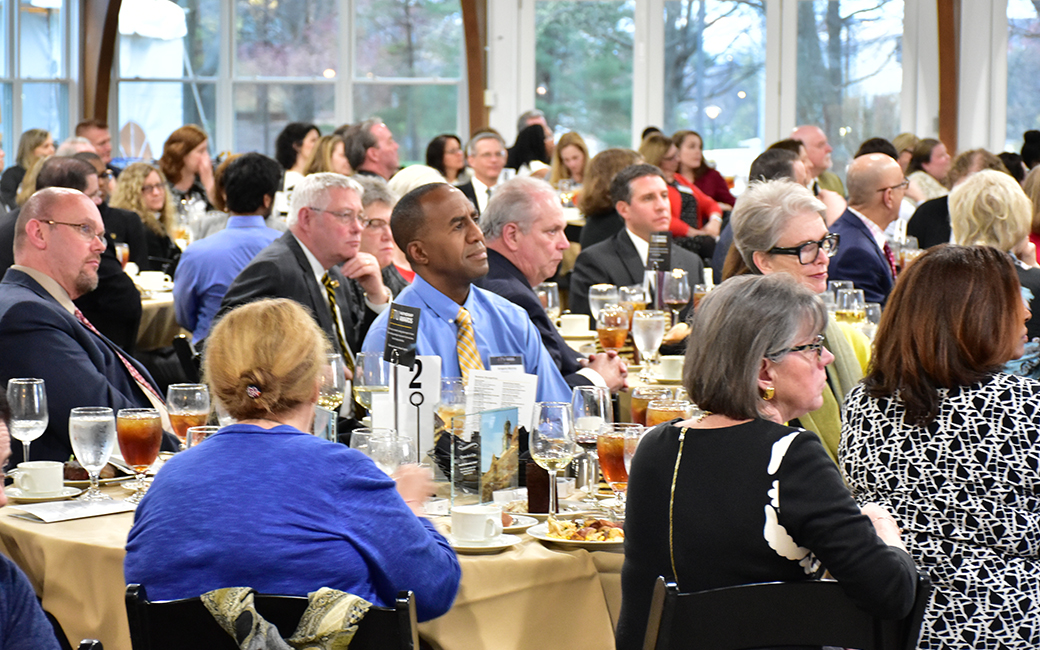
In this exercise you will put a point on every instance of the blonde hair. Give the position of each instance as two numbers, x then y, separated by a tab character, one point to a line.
654	148
321	157
264	358
1031	185
28	184
559	170
128	197
28	144
990	209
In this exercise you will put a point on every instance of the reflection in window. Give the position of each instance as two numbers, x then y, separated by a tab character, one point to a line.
414	114
149	111
286	38
850	71
714	58
1023	99
408	38
583	69
263	110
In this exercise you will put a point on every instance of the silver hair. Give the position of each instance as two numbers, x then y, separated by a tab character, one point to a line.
375	191
74	145
746	319
516	201
471	146
761	214
521	122
312	191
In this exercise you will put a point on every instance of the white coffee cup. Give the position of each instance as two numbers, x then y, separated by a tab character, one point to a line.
671	366
574	324
476	523
40	478
151	280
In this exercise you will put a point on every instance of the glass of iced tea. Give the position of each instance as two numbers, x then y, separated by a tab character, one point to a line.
610	447
612	327
139	432
641	398
666	410
188	405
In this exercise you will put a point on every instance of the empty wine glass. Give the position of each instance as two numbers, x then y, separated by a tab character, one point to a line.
632	298
333	382
386	449
553	444
549	295
28	403
592	407
188	405
676	292
601	295
198	434
648	328
612	327
92	432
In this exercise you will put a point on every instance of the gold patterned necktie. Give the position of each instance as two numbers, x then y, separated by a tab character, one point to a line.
330	291
469	356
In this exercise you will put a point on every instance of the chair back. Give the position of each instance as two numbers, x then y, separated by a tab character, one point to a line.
810	613
189	360
186	623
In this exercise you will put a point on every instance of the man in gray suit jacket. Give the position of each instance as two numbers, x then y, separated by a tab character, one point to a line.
640	196
320	251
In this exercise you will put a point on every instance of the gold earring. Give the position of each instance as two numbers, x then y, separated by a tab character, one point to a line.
768	392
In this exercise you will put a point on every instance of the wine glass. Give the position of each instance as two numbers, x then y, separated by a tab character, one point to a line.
676	292
850	307
549	295
641	398
371	375
92	432
139	433
612	327
198	434
333	382
28	403
632	438
611	448
386	449
553	443
834	286
648	328
632	298
188	405
601	295
666	410
592	407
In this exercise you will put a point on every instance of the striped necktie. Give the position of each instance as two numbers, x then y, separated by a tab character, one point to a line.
469	356
330	291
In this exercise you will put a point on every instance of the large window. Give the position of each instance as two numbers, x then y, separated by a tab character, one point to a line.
1023	99
288	61
34	70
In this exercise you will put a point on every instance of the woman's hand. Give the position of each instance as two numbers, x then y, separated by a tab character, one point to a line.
884	524
415	485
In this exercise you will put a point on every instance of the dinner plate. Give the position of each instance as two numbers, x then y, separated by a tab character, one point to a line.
500	543
541	533
105	481
520	524
14	494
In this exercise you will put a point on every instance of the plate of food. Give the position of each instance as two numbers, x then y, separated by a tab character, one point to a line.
588	533
16	495
77	477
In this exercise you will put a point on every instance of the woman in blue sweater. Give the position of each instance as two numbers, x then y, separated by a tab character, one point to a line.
263	504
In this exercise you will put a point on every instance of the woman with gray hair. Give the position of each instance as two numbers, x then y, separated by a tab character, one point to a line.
376	237
757	361
778	227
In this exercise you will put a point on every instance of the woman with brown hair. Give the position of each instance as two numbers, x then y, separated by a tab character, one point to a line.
694	213
695	170
928	168
143	189
947	442
570	160
601	218
265	504
187	166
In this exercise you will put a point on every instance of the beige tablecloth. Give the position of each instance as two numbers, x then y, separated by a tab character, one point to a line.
530	596
158	322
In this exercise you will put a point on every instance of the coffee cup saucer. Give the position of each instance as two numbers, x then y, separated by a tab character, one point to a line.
493	545
14	494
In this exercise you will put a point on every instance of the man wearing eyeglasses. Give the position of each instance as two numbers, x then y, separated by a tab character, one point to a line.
876	188
318	263
59	239
486	155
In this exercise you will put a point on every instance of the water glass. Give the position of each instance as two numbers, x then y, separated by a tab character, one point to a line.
28	403
834	286
553	442
648	329
188	405
549	295
601	295
592	408
92	432
386	449
612	327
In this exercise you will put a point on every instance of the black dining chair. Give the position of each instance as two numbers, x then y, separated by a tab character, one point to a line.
188	358
772	614
186	623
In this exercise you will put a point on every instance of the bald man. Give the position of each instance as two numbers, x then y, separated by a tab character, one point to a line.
876	188
819	151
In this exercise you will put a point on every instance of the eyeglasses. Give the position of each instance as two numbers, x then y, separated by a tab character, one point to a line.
146	189
451	152
348	215
375	224
902	186
816	346
487	155
810	250
84	230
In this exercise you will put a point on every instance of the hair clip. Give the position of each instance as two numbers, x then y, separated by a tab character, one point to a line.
253	391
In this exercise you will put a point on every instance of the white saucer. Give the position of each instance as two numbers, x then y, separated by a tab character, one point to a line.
588	334
14	494
520	524
500	543
668	381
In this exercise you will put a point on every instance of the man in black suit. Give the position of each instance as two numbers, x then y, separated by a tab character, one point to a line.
320	253
486	155
524	234
640	195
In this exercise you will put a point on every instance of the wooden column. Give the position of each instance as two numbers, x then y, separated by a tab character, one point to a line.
949	11
98	42
474	27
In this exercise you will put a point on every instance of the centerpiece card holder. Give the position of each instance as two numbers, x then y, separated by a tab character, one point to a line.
659	262
484	454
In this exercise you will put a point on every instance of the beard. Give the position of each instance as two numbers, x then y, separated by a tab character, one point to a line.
86	281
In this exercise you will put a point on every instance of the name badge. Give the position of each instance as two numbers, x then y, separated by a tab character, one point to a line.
508	363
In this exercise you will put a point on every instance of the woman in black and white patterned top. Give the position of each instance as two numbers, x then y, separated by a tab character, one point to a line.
949	444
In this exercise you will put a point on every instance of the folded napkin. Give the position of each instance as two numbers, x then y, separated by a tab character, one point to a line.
329	622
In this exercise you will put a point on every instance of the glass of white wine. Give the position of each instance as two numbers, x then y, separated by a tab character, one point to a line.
333	382
553	442
850	307
28	403
371	375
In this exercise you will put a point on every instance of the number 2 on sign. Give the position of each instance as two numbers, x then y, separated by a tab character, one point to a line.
415	383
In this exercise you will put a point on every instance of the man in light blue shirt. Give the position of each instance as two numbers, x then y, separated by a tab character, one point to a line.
435	225
208	266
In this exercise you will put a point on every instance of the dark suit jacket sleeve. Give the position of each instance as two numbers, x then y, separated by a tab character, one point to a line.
587	272
262	278
861	267
930	223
